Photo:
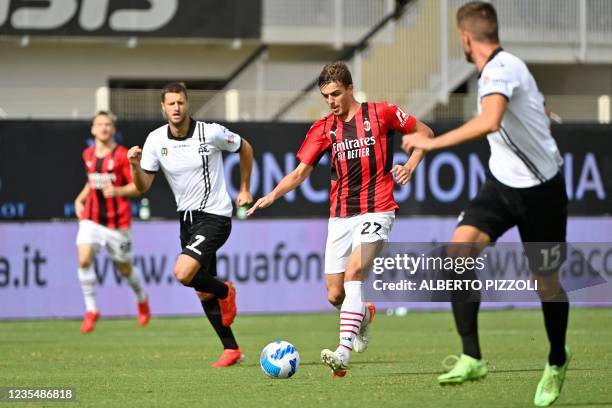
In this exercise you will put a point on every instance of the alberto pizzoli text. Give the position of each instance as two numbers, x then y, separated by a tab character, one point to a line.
456	284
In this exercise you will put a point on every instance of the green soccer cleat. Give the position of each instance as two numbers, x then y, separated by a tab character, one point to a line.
551	383
465	369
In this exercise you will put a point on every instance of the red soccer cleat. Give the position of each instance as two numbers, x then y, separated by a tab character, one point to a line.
372	310
229	357
144	312
228	306
89	321
338	373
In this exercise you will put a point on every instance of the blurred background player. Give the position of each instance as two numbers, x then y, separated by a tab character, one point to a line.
524	187
362	207
103	208
189	152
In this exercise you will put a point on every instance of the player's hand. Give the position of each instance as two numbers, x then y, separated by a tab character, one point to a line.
134	155
416	141
244	198
402	174
109	190
263	202
79	209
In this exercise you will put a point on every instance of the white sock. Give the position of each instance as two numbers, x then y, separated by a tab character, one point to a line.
87	276
366	319
134	282
351	316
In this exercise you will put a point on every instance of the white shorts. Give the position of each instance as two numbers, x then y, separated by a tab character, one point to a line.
118	243
346	234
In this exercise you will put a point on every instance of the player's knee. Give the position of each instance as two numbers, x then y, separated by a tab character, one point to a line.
182	274
462	249
352	272
125	268
84	263
548	291
205	296
456	251
335	296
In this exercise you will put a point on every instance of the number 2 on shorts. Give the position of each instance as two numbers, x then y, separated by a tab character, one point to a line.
366	226
198	240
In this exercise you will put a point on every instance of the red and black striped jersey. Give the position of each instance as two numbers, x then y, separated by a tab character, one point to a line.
113	212
361	157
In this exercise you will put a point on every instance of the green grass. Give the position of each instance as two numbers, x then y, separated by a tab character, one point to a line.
167	363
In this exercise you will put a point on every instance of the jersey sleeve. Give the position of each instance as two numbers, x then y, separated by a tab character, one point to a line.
497	80
395	118
149	161
315	144
223	138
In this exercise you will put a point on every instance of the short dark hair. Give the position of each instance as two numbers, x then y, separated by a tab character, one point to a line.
174	87
480	19
108	114
335	71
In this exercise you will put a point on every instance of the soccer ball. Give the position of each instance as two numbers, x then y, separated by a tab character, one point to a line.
279	359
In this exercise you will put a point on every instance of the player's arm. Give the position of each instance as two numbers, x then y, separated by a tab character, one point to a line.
287	184
141	179
79	201
488	121
246	166
403	174
552	116
126	190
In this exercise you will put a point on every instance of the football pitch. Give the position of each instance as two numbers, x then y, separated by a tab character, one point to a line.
167	363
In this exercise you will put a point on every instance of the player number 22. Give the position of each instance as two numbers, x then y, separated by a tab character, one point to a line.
367	225
198	240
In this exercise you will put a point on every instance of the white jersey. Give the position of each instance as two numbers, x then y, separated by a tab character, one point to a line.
193	165
523	152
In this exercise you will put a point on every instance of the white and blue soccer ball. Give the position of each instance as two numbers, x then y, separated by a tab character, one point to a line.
279	359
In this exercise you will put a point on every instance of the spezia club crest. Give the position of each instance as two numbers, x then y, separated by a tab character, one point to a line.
203	150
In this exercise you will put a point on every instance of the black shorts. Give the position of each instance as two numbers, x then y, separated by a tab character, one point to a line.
539	212
202	234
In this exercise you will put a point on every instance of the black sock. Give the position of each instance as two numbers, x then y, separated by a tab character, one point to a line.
556	315
466	304
205	282
213	312
466	320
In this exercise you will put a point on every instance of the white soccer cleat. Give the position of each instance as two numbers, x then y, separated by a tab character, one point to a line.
334	360
360	344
